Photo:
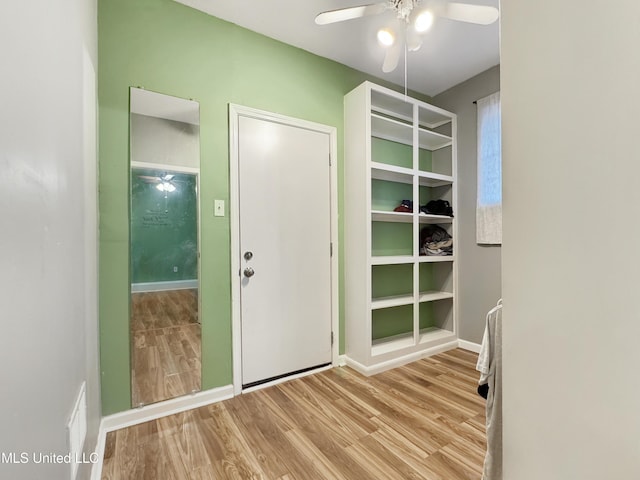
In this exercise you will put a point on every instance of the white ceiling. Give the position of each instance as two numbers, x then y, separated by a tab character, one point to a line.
452	52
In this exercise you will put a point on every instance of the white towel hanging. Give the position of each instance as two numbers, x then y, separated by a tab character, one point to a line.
490	367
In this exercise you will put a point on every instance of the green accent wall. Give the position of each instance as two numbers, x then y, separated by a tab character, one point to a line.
173	49
391	280
164	228
387	322
391	153
387	195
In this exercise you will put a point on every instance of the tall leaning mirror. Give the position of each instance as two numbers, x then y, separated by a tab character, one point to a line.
164	247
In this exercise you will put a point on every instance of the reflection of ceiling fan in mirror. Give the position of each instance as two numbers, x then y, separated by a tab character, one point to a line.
413	19
164	183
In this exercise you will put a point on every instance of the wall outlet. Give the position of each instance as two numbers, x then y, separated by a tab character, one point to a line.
175	269
218	208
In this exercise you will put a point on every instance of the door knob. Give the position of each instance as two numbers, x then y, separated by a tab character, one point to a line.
249	272
248	256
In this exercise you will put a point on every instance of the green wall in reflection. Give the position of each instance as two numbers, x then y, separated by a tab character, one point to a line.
164	227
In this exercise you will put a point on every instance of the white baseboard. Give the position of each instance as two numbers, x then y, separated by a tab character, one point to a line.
342	361
163	286
152	412
96	468
472	347
398	362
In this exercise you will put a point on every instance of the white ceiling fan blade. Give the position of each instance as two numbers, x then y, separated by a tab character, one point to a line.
343	14
414	40
392	57
464	12
149	179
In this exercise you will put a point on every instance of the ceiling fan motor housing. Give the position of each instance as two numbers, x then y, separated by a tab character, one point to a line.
404	8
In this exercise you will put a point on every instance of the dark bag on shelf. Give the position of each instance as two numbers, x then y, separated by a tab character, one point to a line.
438	207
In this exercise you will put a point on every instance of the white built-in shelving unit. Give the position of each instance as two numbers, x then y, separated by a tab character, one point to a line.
400	305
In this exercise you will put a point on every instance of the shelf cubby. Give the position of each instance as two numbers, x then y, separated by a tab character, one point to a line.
435	316
387	152
433	118
391	239
430	140
391	106
435	192
386	128
387	195
392	321
435	281
437	161
391	285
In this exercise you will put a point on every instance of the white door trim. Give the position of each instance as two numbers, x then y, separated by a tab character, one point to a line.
235	112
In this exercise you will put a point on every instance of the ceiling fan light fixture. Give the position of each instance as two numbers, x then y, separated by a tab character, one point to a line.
386	37
423	21
166	187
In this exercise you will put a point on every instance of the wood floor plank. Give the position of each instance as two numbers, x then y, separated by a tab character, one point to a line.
265	440
422	421
379	462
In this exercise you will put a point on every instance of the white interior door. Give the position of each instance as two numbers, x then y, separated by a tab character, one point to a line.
285	261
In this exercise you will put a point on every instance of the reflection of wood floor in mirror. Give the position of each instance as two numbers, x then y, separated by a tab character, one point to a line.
422	421
166	349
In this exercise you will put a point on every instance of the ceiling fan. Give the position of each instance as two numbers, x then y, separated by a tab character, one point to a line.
415	18
164	183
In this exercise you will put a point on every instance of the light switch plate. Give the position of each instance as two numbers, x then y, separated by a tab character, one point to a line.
218	208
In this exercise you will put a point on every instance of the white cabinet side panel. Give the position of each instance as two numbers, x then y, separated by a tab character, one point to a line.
357	225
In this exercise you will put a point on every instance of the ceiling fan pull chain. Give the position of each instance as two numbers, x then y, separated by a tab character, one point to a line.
405	70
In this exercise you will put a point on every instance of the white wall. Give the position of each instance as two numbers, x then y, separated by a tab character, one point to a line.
571	245
48	279
164	141
479	267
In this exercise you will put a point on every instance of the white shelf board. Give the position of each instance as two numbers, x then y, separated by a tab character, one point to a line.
388	129
399	217
432	119
432	296
402	217
430	179
391	344
392	260
391	173
432	140
434	334
394	301
434	259
428	218
405	340
402	117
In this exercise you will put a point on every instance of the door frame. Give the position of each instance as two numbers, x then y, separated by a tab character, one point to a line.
235	112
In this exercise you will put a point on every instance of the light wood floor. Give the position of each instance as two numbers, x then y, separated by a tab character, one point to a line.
420	421
166	352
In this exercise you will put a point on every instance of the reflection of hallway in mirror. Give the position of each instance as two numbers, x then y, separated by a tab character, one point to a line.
166	345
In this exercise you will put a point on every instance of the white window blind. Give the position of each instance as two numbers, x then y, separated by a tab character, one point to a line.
489	204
